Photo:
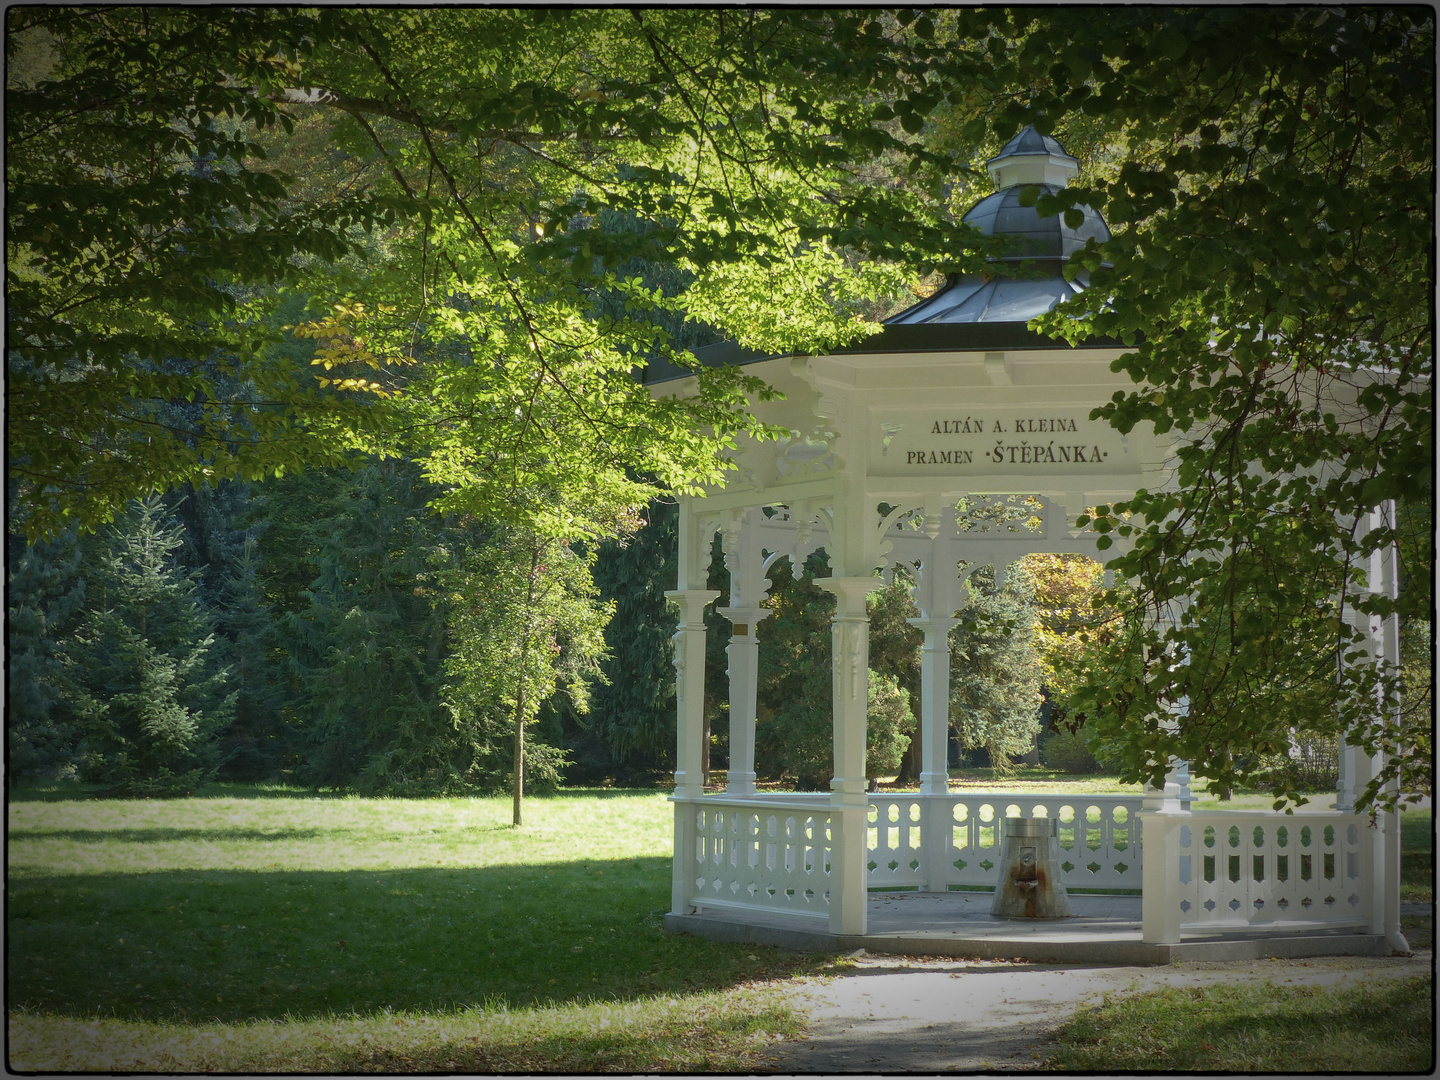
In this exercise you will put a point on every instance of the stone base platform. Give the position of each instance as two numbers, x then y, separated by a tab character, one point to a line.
1101	930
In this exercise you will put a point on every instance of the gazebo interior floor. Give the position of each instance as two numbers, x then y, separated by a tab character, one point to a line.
1102	929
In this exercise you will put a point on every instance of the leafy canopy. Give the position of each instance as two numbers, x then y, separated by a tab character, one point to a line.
469	305
1272	211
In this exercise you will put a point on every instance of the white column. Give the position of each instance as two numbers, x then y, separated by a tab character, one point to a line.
746	562
1353	765
689	642
1179	769
849	802
934	703
936	595
937	820
744	656
1160	820
1356	767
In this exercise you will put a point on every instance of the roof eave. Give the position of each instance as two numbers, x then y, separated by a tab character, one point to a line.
913	338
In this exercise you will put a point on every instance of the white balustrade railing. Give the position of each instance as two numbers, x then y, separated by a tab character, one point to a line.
770	854
1099	838
1237	869
1228	869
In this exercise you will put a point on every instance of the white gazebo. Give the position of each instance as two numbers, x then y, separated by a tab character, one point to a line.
954	403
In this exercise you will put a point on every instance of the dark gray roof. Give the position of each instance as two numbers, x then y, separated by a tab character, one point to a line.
1048	241
997	300
1039	237
915	337
1030	141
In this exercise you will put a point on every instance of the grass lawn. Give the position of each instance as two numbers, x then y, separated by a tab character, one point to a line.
258	928
1255	1027
264	929
1417	857
1025	778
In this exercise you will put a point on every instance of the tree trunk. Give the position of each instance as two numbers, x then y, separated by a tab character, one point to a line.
519	787
910	763
520	693
705	751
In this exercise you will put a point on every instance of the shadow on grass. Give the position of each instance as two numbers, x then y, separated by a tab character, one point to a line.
71	791
236	945
161	834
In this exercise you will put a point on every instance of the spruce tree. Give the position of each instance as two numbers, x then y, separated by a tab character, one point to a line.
148	696
44	598
632	715
366	640
996	668
255	745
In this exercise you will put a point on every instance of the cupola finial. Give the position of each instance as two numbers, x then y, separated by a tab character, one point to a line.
1032	158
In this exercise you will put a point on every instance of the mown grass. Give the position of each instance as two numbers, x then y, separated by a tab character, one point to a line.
709	1031
256	915
1417	856
1024	778
1254	1028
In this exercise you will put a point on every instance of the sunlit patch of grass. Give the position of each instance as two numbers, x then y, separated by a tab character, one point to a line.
250	830
1378	1027
228	913
706	1032
1255	800
1028	778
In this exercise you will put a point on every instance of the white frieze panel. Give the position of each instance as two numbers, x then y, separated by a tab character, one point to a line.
1019	442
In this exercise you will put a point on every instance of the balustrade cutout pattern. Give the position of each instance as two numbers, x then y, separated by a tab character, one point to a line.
774	856
1234	869
895	858
1099	839
1238	869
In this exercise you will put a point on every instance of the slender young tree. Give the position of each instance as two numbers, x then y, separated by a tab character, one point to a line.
526	620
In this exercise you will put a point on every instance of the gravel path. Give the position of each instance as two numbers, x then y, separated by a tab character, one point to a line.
903	1014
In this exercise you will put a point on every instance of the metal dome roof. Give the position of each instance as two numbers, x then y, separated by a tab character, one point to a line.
1029	159
1031	141
1039	237
997	300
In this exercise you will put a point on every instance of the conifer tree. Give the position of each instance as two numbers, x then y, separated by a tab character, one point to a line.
44	598
254	745
148	695
632	713
365	639
996	668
